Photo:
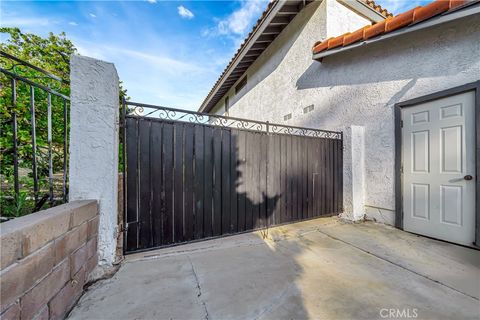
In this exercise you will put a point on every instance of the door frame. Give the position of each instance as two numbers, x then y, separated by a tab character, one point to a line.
473	86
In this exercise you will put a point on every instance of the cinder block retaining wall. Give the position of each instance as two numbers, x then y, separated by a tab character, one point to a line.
46	258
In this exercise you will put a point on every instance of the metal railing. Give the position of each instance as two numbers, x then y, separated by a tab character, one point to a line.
172	114
38	99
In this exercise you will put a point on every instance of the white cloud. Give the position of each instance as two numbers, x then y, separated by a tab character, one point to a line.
152	1
185	13
92	15
73	23
240	20
236	25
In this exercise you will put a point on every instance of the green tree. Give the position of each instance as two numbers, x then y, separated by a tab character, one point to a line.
52	54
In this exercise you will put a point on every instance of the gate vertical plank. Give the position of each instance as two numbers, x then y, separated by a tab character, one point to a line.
311	159
317	177
189	182
262	195
167	177
330	177
178	184
283	178
270	180
132	184
303	180
241	180
335	176
290	173
208	206
226	181
199	180
256	183
326	186
293	178
299	176
323	184
255	195
145	225
217	182
300	160
156	173
328	180
249	180
317	167
233	181
278	181
340	176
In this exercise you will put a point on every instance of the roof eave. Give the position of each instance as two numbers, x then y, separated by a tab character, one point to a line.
459	13
270	15
363	9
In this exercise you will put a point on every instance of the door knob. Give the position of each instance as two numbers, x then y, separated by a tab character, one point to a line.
468	177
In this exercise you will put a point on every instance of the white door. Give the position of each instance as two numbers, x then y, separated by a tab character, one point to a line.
438	158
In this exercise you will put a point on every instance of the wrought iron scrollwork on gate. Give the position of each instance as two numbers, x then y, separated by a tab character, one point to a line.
134	109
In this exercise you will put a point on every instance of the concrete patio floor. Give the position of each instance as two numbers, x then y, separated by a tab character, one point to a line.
319	269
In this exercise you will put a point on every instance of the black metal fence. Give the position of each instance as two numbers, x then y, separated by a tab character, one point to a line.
34	136
192	176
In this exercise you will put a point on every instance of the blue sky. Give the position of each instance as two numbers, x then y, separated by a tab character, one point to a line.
166	52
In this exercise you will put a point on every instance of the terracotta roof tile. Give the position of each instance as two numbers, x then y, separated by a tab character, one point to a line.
321	45
355	36
336	42
376	29
377	8
401	20
431	10
390	24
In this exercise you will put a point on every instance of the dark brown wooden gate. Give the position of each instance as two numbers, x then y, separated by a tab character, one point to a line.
193	176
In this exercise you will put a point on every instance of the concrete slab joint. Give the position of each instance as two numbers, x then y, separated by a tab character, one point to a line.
354	173
94	141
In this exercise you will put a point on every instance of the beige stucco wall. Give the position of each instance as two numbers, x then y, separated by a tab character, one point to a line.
359	87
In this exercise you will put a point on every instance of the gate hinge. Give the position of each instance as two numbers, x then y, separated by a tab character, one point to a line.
401	123
401	168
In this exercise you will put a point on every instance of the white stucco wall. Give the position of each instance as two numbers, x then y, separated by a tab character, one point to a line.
341	19
93	171
359	87
354	173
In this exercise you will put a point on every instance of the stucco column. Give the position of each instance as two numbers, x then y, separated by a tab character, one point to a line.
94	134
354	173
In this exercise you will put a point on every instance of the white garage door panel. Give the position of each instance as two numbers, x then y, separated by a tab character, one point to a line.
438	150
